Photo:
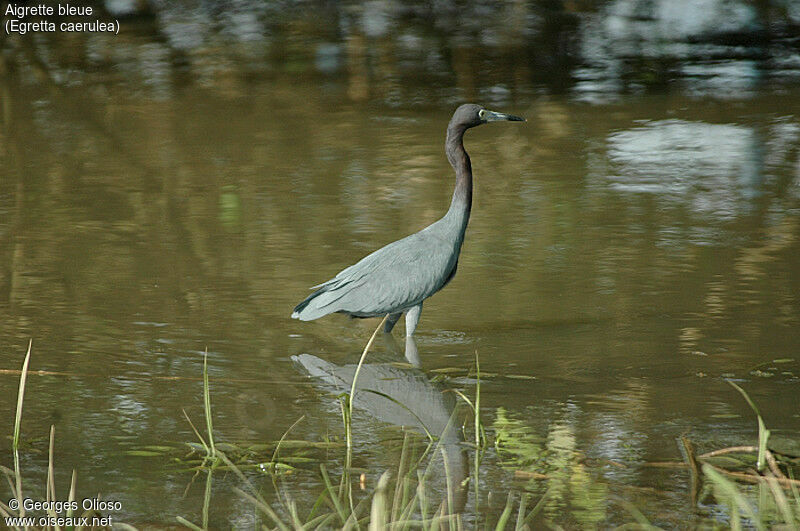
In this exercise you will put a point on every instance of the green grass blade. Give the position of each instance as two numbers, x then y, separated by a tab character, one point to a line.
256	498
23	377
71	496
782	503
523	501
380	507
207	497
202	441
207	405
334	498
278	446
188	524
763	432
400	475
640	518
428	434
465	398
355	380
506	515
538	507
17	422
263	507
477	408
727	490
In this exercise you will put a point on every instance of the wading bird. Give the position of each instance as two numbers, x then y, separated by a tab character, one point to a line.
397	278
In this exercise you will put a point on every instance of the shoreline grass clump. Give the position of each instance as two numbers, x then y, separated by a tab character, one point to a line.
772	476
14	518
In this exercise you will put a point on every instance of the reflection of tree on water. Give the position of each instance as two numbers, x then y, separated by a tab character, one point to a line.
404	396
551	462
397	51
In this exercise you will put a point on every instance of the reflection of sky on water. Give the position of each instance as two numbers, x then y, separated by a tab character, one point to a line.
722	79
698	41
671	20
710	168
184	29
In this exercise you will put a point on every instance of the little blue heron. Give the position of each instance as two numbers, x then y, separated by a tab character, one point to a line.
397	278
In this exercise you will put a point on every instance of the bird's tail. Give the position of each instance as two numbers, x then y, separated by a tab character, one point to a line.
317	304
297	313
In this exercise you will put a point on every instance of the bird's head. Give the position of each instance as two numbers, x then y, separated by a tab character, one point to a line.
471	115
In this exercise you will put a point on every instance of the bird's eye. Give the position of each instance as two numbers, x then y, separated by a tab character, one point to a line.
481	113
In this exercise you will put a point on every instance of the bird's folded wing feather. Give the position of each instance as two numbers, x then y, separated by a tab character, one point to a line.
397	276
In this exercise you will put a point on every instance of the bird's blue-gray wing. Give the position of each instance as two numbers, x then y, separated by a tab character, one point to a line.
393	278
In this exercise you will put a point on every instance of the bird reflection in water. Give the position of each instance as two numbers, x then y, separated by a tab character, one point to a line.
404	396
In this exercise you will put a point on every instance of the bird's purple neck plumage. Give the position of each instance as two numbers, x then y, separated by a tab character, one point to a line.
461	204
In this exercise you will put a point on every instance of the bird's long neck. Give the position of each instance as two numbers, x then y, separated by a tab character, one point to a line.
461	204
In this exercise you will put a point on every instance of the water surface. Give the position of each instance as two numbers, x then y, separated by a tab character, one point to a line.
632	245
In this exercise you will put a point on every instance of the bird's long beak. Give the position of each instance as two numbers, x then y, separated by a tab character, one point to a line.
491	116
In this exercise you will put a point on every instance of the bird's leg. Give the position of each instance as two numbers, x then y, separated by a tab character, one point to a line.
412	354
391	321
412	318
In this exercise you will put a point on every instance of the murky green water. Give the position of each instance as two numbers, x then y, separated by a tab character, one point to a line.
179	187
